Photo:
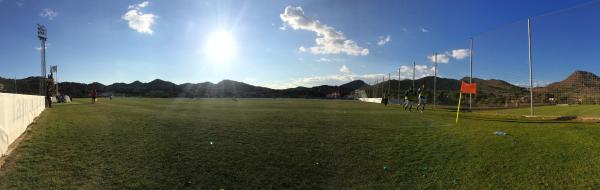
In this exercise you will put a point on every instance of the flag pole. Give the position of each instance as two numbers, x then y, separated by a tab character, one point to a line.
458	110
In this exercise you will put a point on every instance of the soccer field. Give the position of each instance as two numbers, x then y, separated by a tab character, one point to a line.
294	143
556	111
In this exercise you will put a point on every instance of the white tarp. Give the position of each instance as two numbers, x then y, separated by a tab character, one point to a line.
17	111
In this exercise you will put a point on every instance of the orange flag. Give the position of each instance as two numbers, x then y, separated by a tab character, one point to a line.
468	88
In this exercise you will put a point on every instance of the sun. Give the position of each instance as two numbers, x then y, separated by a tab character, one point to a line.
220	47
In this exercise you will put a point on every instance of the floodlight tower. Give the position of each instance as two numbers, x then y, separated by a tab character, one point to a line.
41	30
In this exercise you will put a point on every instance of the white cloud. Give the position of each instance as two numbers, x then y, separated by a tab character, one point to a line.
460	53
406	72
48	13
302	49
328	41
342	78
326	60
384	40
337	79
143	4
457	54
139	21
404	30
441	58
424	30
20	3
345	70
322	59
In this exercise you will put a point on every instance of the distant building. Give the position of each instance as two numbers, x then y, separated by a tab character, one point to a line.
359	93
334	95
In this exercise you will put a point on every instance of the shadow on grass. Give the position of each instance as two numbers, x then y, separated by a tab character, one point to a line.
71	104
566	119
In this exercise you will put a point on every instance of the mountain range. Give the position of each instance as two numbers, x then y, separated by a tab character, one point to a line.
490	91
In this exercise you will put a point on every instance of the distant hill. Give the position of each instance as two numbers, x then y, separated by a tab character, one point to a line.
579	86
29	85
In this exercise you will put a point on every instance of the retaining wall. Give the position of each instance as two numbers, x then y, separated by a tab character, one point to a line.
17	111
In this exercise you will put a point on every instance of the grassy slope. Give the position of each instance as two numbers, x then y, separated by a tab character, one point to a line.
570	110
310	144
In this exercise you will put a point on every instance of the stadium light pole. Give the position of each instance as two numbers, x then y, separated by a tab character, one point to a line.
434	78
530	67
471	72
41	30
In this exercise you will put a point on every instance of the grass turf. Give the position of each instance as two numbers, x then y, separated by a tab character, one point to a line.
299	144
557	111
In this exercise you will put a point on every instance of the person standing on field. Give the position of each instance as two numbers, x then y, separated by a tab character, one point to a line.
422	98
93	94
48	97
409	97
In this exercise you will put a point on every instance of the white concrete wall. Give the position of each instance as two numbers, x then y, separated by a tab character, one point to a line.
374	100
17	111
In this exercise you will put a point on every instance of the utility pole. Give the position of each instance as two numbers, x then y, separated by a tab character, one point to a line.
434	79
41	30
471	73
389	84
367	89
413	81
375	89
530	67
399	85
382	87
16	91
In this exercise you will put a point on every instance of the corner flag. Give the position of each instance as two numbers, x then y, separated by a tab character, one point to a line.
467	89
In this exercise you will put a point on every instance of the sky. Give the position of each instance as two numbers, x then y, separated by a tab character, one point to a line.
283	44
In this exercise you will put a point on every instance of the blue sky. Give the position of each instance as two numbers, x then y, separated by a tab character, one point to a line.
274	43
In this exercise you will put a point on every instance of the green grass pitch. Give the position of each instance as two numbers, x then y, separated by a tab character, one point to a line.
298	144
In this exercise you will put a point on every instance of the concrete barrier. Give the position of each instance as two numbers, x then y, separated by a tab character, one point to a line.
17	111
373	100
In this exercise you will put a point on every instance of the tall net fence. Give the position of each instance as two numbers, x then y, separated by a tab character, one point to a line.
549	59
566	56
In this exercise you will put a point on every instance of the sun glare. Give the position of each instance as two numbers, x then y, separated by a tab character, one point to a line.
220	47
